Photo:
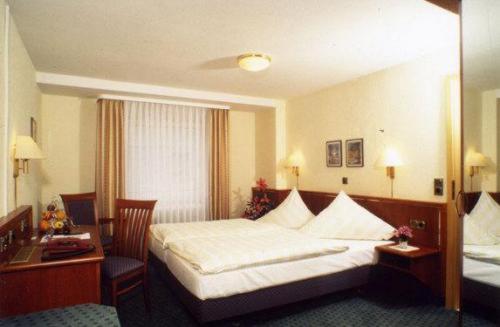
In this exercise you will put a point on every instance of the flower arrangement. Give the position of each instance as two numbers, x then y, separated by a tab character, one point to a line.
404	234
260	205
55	221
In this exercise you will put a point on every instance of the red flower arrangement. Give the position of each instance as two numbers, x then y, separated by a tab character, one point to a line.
260	205
404	233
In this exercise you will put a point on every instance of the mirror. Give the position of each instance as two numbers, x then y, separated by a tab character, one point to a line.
481	150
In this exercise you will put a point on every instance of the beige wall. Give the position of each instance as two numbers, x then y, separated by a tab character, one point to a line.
68	135
265	146
3	116
489	144
24	103
241	159
472	133
407	101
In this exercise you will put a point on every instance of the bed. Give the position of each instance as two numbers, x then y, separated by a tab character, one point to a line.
217	296
481	279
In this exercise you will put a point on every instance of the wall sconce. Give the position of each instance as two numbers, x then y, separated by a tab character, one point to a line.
295	161
390	159
26	149
475	161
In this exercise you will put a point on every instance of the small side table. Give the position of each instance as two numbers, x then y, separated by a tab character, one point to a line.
423	264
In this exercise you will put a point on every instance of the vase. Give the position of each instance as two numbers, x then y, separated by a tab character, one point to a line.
403	244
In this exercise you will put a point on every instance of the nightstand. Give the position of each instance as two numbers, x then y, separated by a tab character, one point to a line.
423	264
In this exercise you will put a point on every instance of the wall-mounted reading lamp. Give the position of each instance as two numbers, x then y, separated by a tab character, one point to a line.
26	149
295	161
390	159
475	161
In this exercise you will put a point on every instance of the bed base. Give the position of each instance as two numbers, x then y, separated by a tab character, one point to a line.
481	293
221	308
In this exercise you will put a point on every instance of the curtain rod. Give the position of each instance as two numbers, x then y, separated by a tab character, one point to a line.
164	101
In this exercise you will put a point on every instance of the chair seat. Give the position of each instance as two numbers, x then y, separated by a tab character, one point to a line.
106	240
114	266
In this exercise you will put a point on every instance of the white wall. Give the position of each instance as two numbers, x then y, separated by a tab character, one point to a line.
407	101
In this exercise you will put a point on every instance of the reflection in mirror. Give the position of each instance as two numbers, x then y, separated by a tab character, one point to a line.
481	132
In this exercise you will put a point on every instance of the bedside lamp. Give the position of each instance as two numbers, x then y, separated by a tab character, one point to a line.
475	161
295	161
26	149
390	159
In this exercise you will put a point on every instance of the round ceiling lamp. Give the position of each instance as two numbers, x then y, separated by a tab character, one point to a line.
254	62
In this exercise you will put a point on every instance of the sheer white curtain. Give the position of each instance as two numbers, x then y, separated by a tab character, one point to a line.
166	158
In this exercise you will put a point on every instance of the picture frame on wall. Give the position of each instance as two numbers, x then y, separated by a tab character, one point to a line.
354	153
334	153
33	128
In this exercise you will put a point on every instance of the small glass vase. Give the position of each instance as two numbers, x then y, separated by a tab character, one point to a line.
403	244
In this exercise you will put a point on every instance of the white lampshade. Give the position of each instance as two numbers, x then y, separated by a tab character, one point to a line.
389	158
475	159
254	62
296	159
26	148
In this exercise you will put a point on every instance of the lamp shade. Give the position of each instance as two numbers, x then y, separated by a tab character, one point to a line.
26	148
296	159
475	159
254	62
389	158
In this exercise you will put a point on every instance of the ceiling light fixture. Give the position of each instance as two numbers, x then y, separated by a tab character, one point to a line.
254	62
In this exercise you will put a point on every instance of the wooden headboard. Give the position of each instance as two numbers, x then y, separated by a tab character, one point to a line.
470	199
395	212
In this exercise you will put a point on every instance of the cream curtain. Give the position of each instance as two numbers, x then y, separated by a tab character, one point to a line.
219	164
110	155
166	156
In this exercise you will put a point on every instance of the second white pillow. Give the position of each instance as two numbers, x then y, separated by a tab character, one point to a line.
345	219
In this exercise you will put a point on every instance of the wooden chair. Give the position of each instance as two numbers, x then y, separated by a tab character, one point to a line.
82	208
128	263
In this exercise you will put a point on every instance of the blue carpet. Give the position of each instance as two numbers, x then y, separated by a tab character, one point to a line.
369	307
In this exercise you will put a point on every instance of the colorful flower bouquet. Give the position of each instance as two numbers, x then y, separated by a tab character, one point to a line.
260	205
404	234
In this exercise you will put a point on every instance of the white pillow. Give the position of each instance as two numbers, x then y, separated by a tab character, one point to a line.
475	235
345	219
291	213
486	214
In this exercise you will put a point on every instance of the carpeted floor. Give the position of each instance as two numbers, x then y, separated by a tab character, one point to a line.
368	307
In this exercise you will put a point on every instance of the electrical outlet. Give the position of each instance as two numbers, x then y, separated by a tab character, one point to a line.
438	186
344	180
417	223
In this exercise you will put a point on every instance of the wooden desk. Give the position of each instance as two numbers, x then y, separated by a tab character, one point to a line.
41	285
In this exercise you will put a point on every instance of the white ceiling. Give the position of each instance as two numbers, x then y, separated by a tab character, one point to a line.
481	44
194	44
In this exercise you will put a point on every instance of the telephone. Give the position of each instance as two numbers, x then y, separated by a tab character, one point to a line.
65	247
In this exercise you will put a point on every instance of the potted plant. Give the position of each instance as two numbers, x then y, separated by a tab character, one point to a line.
404	234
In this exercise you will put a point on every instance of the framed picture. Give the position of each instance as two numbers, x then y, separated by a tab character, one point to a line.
334	153
354	153
33	129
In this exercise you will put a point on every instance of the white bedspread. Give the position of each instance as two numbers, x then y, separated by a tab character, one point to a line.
485	253
227	283
210	255
167	233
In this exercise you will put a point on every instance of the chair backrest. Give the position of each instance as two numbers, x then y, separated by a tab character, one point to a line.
82	208
132	221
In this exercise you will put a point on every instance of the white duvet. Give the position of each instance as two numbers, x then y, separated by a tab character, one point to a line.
486	253
168	233
215	254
